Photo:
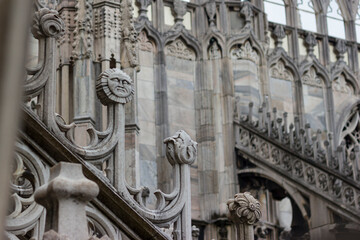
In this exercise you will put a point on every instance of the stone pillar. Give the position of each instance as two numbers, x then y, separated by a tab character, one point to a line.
244	212
65	197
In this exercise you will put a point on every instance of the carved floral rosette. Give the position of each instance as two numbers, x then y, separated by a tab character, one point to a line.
244	208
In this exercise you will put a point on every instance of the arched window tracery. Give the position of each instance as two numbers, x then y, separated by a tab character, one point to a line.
275	10
335	21
306	15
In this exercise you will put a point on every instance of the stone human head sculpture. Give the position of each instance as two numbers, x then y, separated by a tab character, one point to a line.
114	86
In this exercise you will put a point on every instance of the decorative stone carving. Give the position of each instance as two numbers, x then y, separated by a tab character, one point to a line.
310	41
106	23
341	49
244	212
180	149
144	4
311	78
344	160
114	86
245	52
279	35
83	39
180	10
340	85
244	208
178	49
144	43
28	174
246	11
210	8
129	47
47	23
279	71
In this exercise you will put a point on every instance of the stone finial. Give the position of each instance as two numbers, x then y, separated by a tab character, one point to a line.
341	49
310	41
246	11
180	10
210	8
279	34
65	197
244	208
180	148
114	86
47	23
144	4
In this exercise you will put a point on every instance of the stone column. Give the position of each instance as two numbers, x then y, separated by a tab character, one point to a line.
65	197
244	212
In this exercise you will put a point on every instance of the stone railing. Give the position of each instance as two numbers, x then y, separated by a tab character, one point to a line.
105	151
293	151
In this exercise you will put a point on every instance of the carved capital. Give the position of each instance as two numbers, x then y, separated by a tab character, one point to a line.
47	23
244	208
180	148
114	86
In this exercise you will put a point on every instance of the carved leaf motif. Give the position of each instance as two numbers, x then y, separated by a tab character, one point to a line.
246	51
178	49
340	85
311	78
144	43
279	71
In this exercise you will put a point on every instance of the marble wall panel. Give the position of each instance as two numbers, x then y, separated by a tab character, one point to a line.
314	106
282	97
146	116
246	84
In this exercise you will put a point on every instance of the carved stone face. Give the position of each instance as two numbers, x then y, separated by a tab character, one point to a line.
119	86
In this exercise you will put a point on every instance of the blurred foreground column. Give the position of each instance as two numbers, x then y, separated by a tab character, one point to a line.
14	24
65	197
244	212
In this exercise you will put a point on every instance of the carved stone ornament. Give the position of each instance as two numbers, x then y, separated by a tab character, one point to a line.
246	52
180	148
310	78
47	23
245	208
180	10
214	51
114	86
340	85
210	8
178	49
144	43
279	71
310	41
279	34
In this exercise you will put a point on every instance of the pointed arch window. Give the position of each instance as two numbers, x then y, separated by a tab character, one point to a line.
335	21
275	10
307	19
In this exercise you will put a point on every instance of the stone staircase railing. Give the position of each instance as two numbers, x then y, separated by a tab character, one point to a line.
331	172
